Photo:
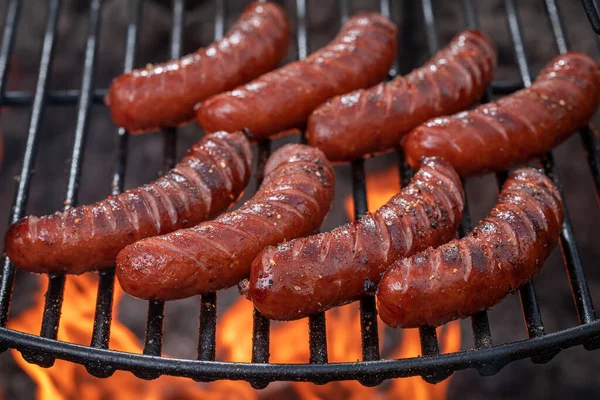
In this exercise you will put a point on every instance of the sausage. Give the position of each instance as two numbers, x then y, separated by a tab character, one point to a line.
359	56
516	128
208	179
164	95
292	201
474	273
369	121
309	275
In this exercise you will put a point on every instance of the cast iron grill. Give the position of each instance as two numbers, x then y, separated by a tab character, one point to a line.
100	361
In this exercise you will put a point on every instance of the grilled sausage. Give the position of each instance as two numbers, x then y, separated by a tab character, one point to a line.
360	56
468	275
292	201
373	120
208	179
523	125
309	275
164	95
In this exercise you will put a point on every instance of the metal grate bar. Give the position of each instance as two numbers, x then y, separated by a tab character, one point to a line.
37	112
207	328
261	326
317	327
104	299
573	263
428	336
482	335
8	41
19	98
54	294
579	287
368	312
317	339
529	303
156	309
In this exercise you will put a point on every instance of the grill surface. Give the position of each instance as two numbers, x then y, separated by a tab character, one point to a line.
433	366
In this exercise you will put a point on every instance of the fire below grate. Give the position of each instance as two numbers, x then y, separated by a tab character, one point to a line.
100	361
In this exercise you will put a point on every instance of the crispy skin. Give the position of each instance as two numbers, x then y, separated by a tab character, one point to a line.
208	179
164	95
309	275
292	201
474	273
370	121
516	128
359	56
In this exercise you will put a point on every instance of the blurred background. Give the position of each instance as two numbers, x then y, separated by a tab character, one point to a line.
572	373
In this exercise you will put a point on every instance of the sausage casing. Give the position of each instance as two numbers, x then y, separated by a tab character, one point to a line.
308	275
208	179
292	201
518	127
468	275
359	56
164	95
373	120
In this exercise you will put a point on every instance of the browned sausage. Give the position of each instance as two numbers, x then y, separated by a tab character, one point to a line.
208	179
518	127
292	201
373	120
471	274
359	56
164	95
313	274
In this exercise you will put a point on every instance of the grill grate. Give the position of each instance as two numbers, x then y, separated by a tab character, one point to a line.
433	367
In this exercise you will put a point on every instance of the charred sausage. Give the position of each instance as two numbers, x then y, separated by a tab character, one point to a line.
309	275
164	95
208	179
373	120
292	201
360	56
518	127
468	275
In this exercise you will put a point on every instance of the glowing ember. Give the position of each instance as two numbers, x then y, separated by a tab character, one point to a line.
289	344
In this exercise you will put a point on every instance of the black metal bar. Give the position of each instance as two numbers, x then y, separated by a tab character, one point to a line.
207	324
261	326
37	113
482	335
579	287
573	263
317	338
106	279
54	294
591	9
156	309
208	327
428	336
154	328
8	41
529	303
20	98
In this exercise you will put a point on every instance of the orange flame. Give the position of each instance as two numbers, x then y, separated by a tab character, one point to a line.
289	344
